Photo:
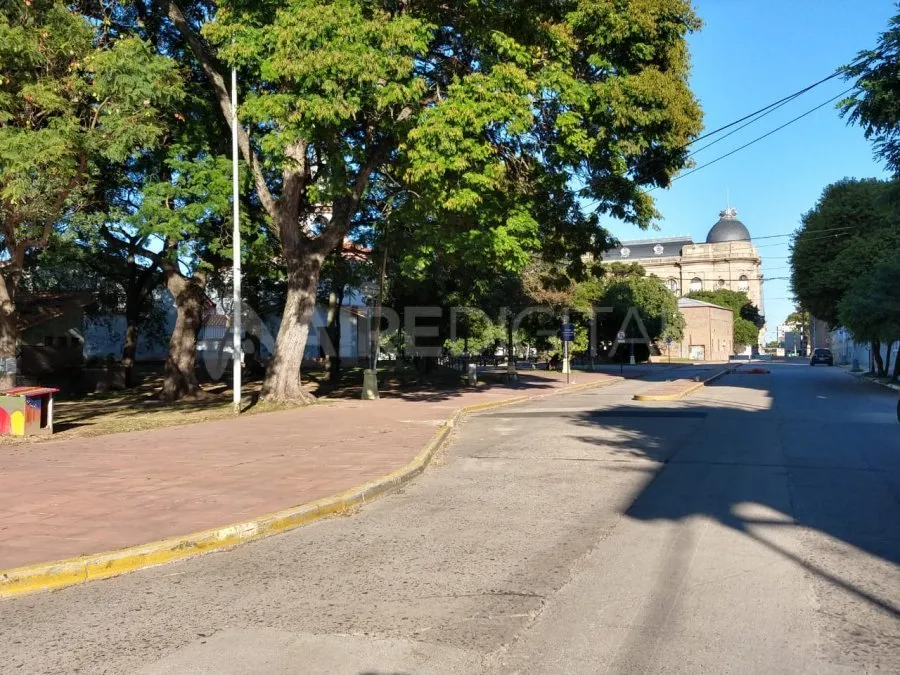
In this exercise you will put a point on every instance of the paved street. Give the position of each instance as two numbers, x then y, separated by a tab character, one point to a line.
751	528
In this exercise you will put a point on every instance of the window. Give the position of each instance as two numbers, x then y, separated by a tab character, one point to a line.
672	285
696	284
720	283
743	283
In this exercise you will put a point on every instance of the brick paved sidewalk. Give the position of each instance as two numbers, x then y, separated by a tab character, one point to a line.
68	498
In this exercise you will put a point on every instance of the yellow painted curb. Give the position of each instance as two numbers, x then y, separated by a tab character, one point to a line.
684	392
61	573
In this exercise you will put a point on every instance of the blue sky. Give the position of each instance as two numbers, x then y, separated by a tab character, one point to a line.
750	54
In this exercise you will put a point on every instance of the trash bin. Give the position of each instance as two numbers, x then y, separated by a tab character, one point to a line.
26	411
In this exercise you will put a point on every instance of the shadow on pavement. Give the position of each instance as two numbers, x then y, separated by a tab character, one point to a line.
804	448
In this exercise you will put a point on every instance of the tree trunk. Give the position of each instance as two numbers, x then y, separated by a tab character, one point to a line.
8	336
333	331
180	373
129	351
9	333
897	366
876	355
887	358
282	381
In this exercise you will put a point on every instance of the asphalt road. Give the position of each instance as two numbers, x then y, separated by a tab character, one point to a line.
752	528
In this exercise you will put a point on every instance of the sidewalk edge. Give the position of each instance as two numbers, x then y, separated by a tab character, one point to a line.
92	567
689	390
861	376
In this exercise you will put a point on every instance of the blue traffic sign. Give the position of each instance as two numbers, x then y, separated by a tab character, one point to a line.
568	332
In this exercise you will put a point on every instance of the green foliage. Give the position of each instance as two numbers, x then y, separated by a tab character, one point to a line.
66	103
871	306
875	103
847	233
747	319
798	317
189	204
651	302
475	116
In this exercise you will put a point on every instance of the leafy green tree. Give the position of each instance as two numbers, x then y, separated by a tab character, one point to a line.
852	229
747	319
875	103
871	308
636	302
187	208
67	101
468	105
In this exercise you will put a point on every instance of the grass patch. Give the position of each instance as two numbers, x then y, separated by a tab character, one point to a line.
137	409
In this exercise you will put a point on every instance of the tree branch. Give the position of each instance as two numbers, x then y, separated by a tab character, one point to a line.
135	248
207	63
344	207
54	211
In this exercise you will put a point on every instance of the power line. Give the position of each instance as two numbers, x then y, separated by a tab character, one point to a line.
752	117
776	104
765	135
826	236
791	234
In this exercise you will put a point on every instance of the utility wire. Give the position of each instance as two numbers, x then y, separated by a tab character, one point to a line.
752	117
762	113
791	234
825	236
765	135
777	103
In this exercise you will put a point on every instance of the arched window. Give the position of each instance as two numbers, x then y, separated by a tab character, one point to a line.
696	284
672	284
743	283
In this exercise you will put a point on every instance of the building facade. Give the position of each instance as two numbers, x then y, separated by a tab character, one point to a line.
708	332
726	260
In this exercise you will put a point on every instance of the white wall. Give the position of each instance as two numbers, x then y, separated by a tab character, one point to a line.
846	349
105	335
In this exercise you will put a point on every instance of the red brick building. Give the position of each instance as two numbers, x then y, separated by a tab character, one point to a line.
708	331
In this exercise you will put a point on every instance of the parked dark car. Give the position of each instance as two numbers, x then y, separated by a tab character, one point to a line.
822	356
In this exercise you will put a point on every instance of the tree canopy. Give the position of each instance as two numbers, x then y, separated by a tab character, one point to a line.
481	123
474	146
871	306
850	230
71	103
643	308
875	103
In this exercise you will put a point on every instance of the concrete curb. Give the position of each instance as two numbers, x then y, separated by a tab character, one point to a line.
62	573
862	377
694	386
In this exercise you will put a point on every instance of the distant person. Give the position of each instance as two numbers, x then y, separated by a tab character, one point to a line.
554	362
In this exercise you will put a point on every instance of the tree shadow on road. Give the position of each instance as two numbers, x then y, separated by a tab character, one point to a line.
833	467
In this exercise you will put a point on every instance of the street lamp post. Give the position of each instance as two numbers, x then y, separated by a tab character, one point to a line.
237	348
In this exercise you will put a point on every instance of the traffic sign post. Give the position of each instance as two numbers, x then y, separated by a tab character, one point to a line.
619	337
568	335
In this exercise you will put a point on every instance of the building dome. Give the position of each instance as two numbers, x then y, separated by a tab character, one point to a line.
729	228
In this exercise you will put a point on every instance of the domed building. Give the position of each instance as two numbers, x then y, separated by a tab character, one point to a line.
727	259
